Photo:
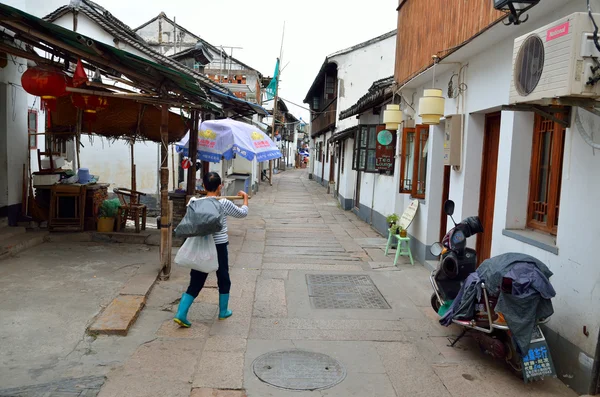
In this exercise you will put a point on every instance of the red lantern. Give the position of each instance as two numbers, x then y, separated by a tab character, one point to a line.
186	163
48	84
89	103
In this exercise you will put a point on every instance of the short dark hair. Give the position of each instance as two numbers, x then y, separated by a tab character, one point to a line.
211	181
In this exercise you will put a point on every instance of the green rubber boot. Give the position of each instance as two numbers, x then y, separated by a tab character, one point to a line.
182	312
223	303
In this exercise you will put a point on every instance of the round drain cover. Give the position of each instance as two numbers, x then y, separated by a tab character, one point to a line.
298	370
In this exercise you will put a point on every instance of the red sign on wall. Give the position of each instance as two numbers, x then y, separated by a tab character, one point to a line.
557	31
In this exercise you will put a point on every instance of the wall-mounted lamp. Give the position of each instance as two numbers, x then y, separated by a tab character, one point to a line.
392	117
515	9
431	105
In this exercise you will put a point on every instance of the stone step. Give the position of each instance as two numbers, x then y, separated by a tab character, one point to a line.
118	316
10	231
21	242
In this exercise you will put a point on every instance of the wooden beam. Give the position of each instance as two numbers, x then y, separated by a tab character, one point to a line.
164	194
193	152
96	58
125	95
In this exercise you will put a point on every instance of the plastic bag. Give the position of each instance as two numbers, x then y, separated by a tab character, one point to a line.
109	208
198	253
202	217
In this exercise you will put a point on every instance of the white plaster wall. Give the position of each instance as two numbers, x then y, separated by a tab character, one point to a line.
576	274
348	177
13	133
34	104
357	70
112	162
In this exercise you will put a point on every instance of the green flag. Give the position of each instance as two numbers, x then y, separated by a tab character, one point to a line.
272	87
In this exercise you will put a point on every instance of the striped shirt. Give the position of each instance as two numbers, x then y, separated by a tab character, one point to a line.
229	209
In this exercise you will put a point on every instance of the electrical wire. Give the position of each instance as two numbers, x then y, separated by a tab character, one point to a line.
589	7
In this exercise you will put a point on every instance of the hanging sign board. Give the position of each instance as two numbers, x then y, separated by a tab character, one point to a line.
409	214
384	152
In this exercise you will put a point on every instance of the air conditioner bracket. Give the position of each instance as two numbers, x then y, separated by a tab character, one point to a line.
548	112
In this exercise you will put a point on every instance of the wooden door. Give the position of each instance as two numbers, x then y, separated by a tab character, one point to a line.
445	196
487	196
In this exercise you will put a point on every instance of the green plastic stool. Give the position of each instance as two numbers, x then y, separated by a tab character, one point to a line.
403	249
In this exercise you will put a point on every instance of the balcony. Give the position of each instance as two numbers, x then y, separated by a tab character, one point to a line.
325	118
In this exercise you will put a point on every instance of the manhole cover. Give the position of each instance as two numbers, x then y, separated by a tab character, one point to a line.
298	370
332	291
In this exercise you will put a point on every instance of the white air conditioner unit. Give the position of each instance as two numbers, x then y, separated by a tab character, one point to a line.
556	61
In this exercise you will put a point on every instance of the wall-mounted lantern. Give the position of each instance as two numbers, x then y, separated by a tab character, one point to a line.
515	8
392	117
431	106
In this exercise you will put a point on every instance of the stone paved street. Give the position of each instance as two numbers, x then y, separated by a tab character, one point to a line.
296	230
296	233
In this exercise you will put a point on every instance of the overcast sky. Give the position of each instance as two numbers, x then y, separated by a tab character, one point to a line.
313	29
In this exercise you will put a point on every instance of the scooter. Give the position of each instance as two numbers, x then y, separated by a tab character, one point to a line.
491	332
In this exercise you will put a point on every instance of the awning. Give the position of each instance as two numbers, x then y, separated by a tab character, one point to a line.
120	119
230	100
344	134
380	92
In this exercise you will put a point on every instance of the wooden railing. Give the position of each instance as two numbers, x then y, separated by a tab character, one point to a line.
325	118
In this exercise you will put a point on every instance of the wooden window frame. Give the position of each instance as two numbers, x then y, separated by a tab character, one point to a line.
370	128
419	131
554	176
32	131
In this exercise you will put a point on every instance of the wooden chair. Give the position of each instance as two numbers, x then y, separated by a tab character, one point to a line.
75	217
49	155
131	208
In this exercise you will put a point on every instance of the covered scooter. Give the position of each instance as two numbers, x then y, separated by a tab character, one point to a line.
502	302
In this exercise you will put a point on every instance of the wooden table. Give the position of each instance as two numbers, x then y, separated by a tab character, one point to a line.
96	193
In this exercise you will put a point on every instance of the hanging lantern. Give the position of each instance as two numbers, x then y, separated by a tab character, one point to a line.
90	104
186	163
431	106
392	117
48	84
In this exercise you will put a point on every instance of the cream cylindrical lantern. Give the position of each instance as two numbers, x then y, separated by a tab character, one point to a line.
431	106
392	117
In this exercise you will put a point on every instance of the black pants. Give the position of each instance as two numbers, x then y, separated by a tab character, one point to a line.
197	279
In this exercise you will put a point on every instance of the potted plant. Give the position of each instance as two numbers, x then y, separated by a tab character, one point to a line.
106	215
402	231
394	229
392	219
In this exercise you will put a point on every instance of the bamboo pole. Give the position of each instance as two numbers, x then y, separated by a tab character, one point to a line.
164	195
133	168
126	95
173	166
274	123
78	129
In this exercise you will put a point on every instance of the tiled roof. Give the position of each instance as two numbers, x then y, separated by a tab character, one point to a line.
119	30
380	91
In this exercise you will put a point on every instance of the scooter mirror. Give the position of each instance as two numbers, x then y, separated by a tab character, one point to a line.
436	249
449	207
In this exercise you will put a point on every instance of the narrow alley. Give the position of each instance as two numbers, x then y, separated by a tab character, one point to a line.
384	345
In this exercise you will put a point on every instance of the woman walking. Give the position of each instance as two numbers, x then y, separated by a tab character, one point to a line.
212	185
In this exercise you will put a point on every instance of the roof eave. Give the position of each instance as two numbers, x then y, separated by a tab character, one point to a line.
316	80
